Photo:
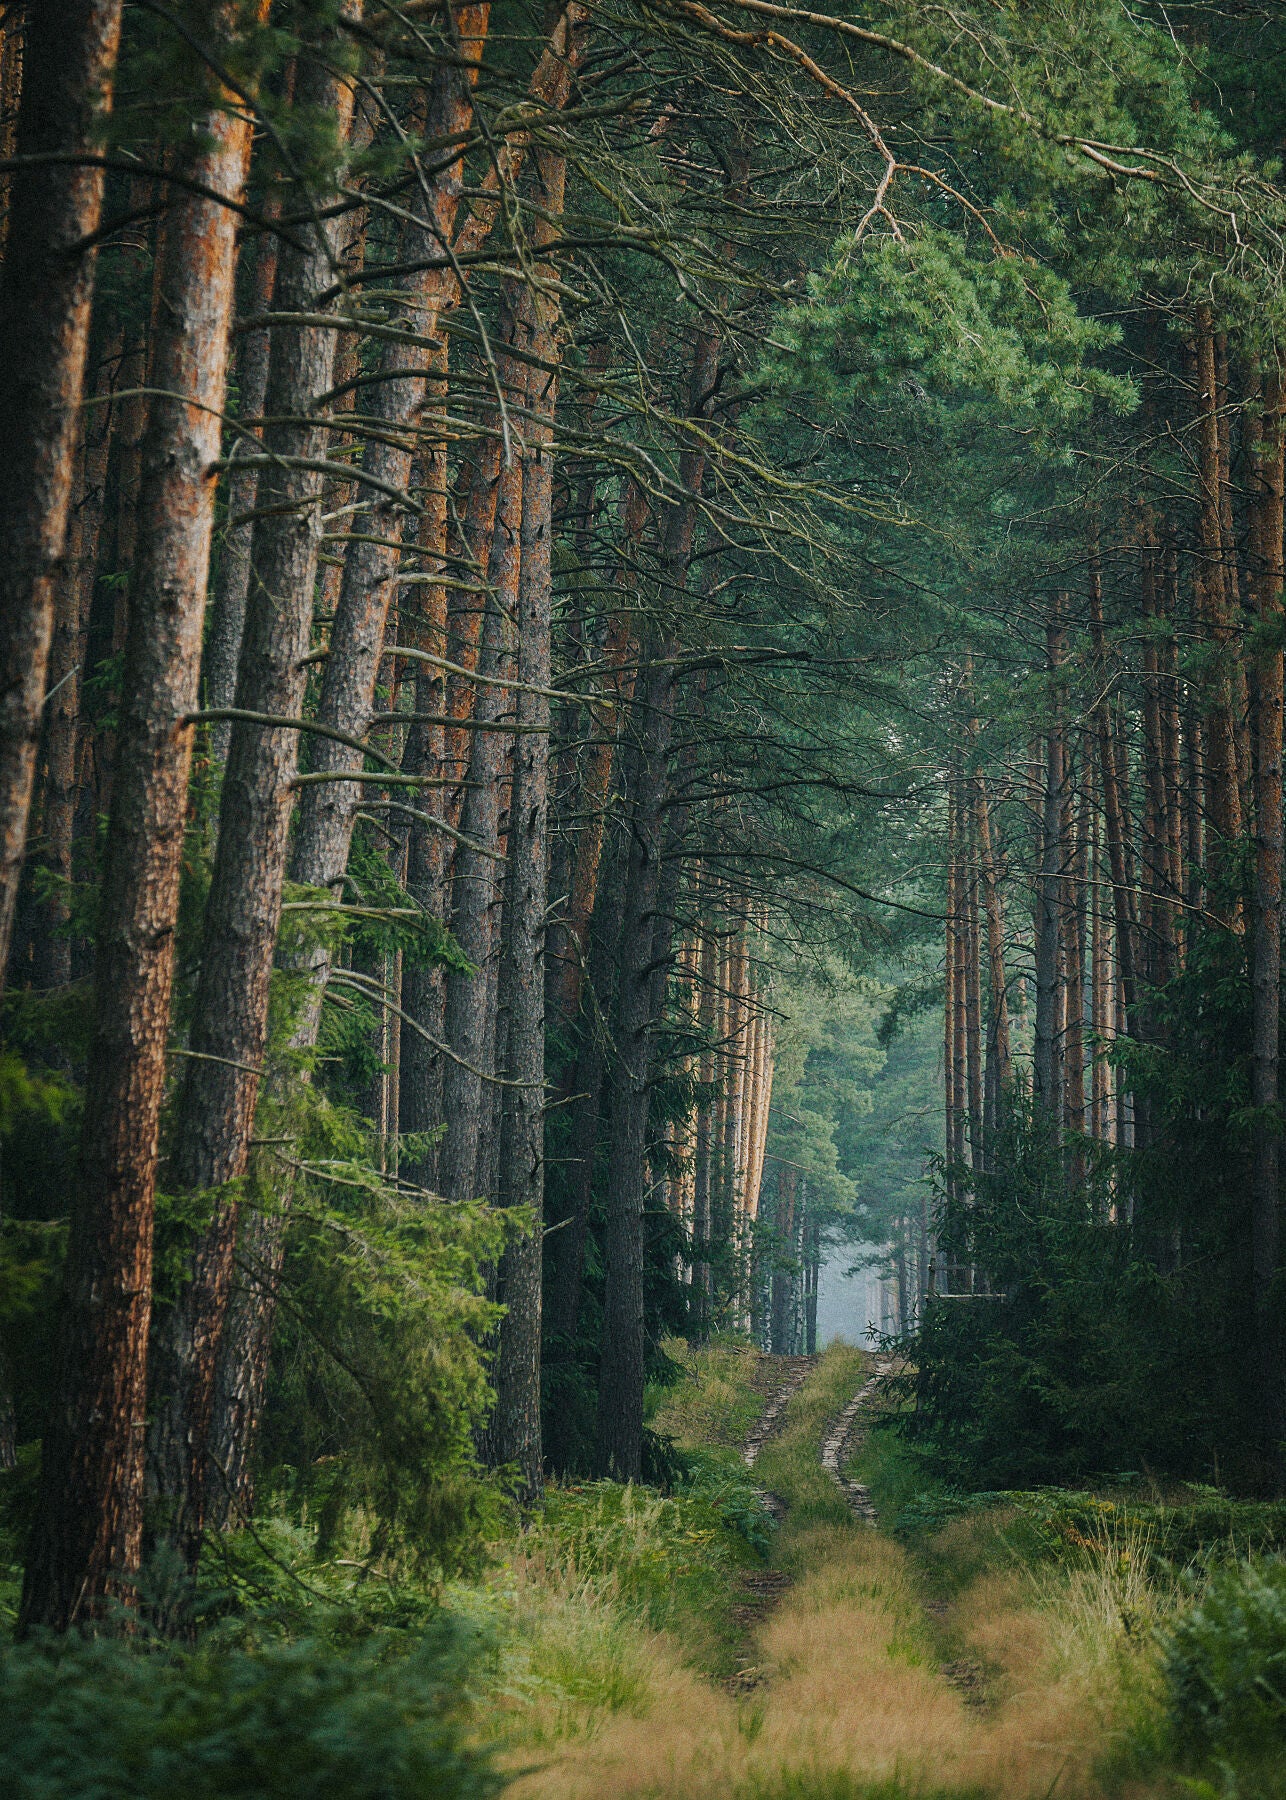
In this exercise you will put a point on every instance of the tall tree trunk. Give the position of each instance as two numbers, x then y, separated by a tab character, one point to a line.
1046	1060
13	31
232	577
1159	923
324	828
66	674
702	1284
973	997
951	955
470	1021
618	688
90	1529
999	1052
1102	1023
812	1266
514	1433
1222	785
782	1275
423	985
1076	932
1266	940
46	280
620	1394
1171	739
243	908
568	1241
1239	692
109	616
1115	807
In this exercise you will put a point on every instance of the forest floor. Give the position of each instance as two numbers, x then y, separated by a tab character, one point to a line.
803	1614
848	1664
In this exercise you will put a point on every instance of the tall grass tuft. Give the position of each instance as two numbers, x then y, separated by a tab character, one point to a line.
719	1401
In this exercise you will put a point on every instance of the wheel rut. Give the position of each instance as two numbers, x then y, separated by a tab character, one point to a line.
762	1589
847	1432
843	1438
791	1373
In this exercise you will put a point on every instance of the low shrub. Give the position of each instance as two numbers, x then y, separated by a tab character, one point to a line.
1201	1527
1225	1666
271	1581
107	1720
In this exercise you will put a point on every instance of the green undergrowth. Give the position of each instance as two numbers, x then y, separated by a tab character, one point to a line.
578	1597
1224	1665
717	1398
554	1630
669	1562
1174	1602
117	1720
1184	1525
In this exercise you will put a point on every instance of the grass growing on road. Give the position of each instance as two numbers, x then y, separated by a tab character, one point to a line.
790	1463
982	1653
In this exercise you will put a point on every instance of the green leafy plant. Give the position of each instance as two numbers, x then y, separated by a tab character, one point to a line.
123	1721
1225	1665
730	1490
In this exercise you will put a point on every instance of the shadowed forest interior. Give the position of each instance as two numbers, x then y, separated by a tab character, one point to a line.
641	685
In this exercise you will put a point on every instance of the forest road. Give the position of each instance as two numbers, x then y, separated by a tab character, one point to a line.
762	1589
847	1432
842	1441
788	1374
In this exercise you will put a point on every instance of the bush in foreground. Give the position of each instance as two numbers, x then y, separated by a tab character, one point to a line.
106	1720
1225	1667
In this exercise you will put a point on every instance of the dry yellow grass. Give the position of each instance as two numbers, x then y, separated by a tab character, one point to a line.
853	1689
852	1684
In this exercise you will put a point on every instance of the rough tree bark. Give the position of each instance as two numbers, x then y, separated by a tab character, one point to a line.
355	650
620	1394
469	1019
54	206
950	954
66	674
1269	478
568	1243
513	1435
1222	784
620	1391
973	995
999	1054
232	579
1046	1081
702	1274
89	1533
1115	808
1101	1020
326	814
1075	931
1159	926
243	908
595	789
